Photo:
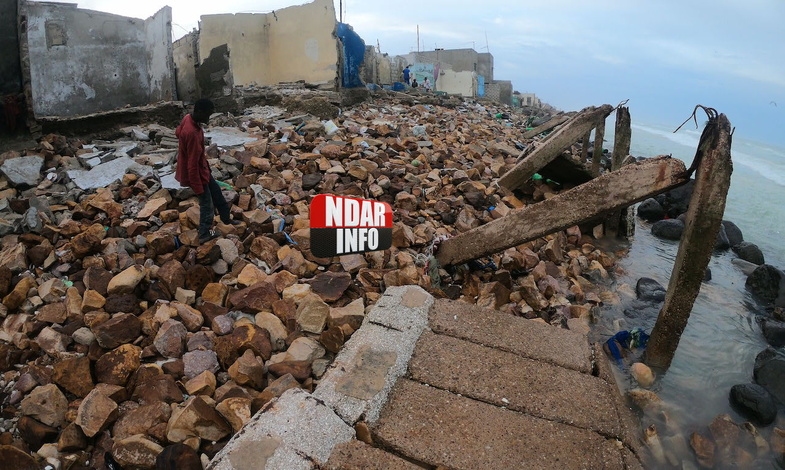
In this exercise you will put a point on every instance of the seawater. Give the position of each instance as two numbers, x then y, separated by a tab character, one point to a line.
722	338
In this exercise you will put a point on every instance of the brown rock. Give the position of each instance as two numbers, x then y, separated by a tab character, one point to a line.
141	419
300	370
152	207
88	241
237	411
121	329
248	370
208	253
276	389
170	339
126	281
353	263
16	459
126	303
172	275
51	291
334	338
258	297
35	433
202	384
52	342
704	450
92	301
96	413
265	249
330	286
197	277
244	337
5	280
215	293
73	374
250	275
178	457
158	389
97	279
47	404
196	418
18	295
136	452
52	313
72	439
191	318
352	315
312	315
493	295
282	280
116	366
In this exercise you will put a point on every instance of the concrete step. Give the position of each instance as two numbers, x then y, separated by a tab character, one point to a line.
438	427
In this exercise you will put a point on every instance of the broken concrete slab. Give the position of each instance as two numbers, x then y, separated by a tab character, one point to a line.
107	173
554	145
23	170
228	137
291	432
553	123
611	191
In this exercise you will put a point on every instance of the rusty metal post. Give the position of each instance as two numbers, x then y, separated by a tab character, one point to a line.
704	217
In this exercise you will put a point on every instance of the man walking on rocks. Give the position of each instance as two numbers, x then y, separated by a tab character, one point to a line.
193	170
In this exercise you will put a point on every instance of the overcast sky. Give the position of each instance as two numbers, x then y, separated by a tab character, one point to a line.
665	56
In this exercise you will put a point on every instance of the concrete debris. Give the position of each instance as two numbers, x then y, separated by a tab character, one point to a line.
102	270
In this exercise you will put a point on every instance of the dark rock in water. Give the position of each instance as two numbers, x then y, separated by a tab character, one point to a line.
650	290
722	240
641	310
676	201
670	229
749	252
764	283
734	233
769	372
774	332
707	276
651	210
754	403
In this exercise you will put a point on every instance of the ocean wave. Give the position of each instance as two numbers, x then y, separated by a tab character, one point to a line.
687	138
772	171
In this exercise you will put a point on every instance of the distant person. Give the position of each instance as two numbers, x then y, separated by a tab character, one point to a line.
414	83
193	170
406	75
427	85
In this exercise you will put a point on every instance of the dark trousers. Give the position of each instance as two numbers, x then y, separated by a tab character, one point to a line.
210	200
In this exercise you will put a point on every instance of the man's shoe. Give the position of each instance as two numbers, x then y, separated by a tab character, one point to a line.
211	235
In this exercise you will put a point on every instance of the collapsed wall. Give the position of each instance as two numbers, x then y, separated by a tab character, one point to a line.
84	61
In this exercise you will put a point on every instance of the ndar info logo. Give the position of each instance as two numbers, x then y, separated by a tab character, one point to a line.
344	225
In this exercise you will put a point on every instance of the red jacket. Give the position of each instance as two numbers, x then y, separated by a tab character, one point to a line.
192	167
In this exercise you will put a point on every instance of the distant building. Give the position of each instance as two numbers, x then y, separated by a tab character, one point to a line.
526	99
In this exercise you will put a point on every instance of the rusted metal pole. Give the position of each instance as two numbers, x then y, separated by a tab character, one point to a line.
599	196
599	137
553	146
704	217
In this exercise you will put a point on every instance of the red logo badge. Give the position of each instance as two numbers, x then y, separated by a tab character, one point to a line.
345	225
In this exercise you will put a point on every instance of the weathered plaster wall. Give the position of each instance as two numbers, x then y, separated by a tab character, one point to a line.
457	83
10	70
485	66
160	61
499	91
295	43
84	61
186	55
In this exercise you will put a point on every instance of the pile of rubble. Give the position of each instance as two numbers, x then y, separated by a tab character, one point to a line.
123	338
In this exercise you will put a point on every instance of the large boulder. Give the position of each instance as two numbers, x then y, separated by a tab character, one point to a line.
722	243
769	372
670	229
651	210
773	331
764	284
754	403
749	252
650	290
676	201
734	233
